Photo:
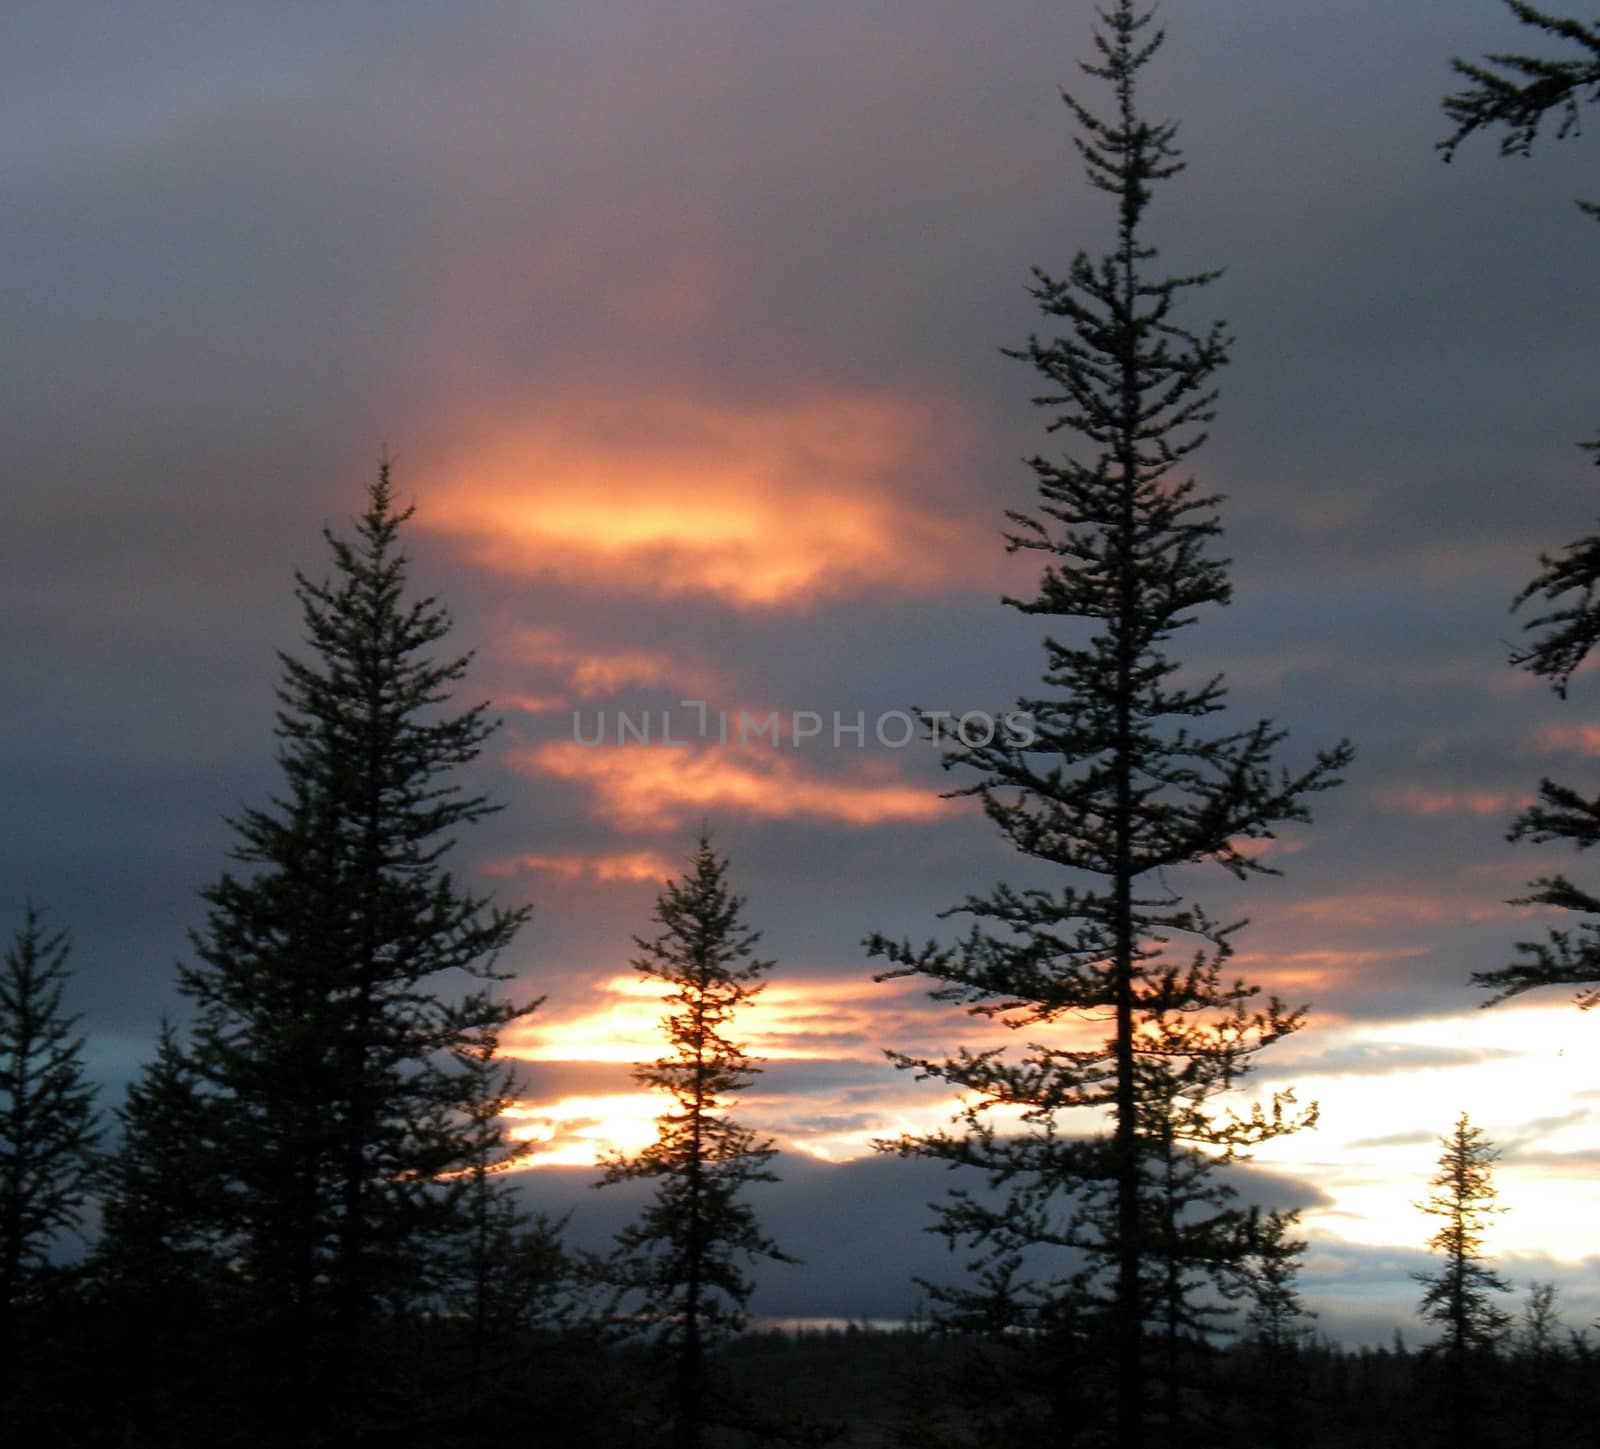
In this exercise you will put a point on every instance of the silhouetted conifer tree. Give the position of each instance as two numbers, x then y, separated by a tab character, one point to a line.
161	1270
682	1264
1563	639
1277	1319
1118	787
161	1236
509	1272
1458	1298
47	1119
1515	94
1537	1343
330	1023
1277	1330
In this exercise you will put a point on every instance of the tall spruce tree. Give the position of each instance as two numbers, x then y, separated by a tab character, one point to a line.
1118	787
47	1119
341	974
683	1263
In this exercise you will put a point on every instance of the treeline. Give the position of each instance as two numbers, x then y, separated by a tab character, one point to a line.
307	1233
1541	1391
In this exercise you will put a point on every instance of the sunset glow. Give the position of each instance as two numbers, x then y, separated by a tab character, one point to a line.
643	789
633	865
582	1131
1385	1095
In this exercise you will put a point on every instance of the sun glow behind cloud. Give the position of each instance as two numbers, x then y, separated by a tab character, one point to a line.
632	865
761	506
579	1131
821	1023
788	1021
1386	1092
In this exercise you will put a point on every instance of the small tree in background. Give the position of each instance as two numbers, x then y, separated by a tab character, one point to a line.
512	1325
161	1270
1277	1329
1538	1343
47	1119
1458	1298
508	1273
1277	1320
682	1264
160	1234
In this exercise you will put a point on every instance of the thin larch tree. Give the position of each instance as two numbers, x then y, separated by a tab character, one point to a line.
683	1264
1459	1297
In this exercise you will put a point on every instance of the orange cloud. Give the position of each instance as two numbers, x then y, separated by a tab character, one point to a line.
591	671
659	788
525	703
1418	800
760	506
817	1020
1258	849
1317	971
790	1021
631	865
1581	739
1381	908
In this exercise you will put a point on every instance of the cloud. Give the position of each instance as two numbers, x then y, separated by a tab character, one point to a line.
633	865
1420	800
1378	907
658	788
760	505
1378	1058
1569	739
837	1022
1528	1141
1325	970
588	668
1418	1138
551	1078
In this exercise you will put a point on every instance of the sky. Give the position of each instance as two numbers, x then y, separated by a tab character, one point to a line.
683	326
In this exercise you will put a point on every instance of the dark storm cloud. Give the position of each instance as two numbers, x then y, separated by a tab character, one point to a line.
857	1227
546	1080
